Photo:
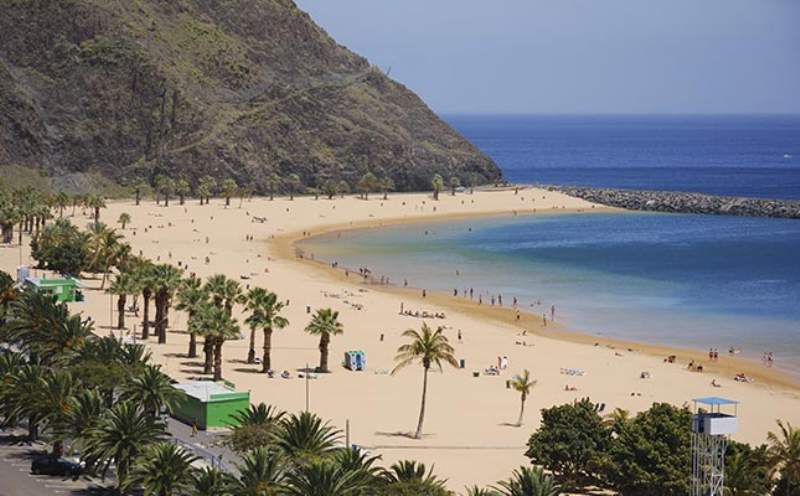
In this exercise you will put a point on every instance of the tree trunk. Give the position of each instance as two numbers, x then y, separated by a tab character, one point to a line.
208	350
192	343
21	227
96	215
271	193
182	199
33	429
385	195
267	359
251	353
166	200
418	434
121	311
323	352
521	411
8	233
162	309
58	448
145	314
436	194
218	359
227	201
138	196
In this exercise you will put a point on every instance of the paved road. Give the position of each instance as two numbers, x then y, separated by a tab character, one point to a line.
16	455
15	472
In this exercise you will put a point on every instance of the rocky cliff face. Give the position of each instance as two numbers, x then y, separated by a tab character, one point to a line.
231	88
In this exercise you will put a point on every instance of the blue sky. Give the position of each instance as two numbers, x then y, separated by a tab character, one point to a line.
580	56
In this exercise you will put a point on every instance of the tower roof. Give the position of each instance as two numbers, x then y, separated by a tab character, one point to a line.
715	401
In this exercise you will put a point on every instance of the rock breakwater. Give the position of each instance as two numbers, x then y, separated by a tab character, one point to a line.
678	202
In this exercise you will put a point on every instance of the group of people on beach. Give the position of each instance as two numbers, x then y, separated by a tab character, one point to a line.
767	358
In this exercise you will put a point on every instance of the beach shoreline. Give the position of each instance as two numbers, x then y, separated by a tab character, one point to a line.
287	247
470	410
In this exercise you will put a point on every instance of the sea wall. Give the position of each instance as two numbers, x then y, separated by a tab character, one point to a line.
690	203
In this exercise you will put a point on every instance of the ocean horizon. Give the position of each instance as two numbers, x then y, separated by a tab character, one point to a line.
737	155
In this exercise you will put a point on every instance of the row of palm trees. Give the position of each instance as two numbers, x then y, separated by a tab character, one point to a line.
104	399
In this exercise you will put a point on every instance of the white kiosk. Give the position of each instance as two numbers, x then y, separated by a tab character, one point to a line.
710	430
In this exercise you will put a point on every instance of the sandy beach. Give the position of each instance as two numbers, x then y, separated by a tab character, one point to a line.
468	436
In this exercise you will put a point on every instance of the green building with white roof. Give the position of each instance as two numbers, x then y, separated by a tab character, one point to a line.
212	405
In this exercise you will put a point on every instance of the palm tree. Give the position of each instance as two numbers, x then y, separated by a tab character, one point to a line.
305	437
61	202
265	310
190	295
455	183
53	403
15	398
123	285
182	188
784	451
429	348
8	293
262	473
474	180
293	181
206	188
324	324
211	481
224	292
387	185
273	181
106	249
152	390
217	326
143	276
254	427
96	202
86	408
164	185
324	478
165	470
124	219
529	481
367	183
747	471
343	187
522	384
438	184
138	185
480	491
229	188
417	478
121	435
166	280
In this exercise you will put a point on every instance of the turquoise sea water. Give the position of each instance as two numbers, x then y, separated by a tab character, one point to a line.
686	280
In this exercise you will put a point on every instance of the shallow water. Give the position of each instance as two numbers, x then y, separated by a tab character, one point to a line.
685	280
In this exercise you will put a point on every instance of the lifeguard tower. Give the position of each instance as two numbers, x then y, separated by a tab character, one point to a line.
710	430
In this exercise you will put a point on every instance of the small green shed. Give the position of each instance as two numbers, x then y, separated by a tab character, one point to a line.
67	289
211	404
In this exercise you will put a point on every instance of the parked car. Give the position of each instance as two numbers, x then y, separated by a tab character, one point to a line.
50	465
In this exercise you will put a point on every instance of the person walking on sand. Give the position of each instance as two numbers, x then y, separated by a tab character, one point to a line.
459	335
401	308
544	319
552	312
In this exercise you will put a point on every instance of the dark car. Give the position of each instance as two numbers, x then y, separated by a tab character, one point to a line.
50	465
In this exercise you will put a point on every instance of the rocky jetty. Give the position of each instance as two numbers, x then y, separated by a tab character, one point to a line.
688	203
